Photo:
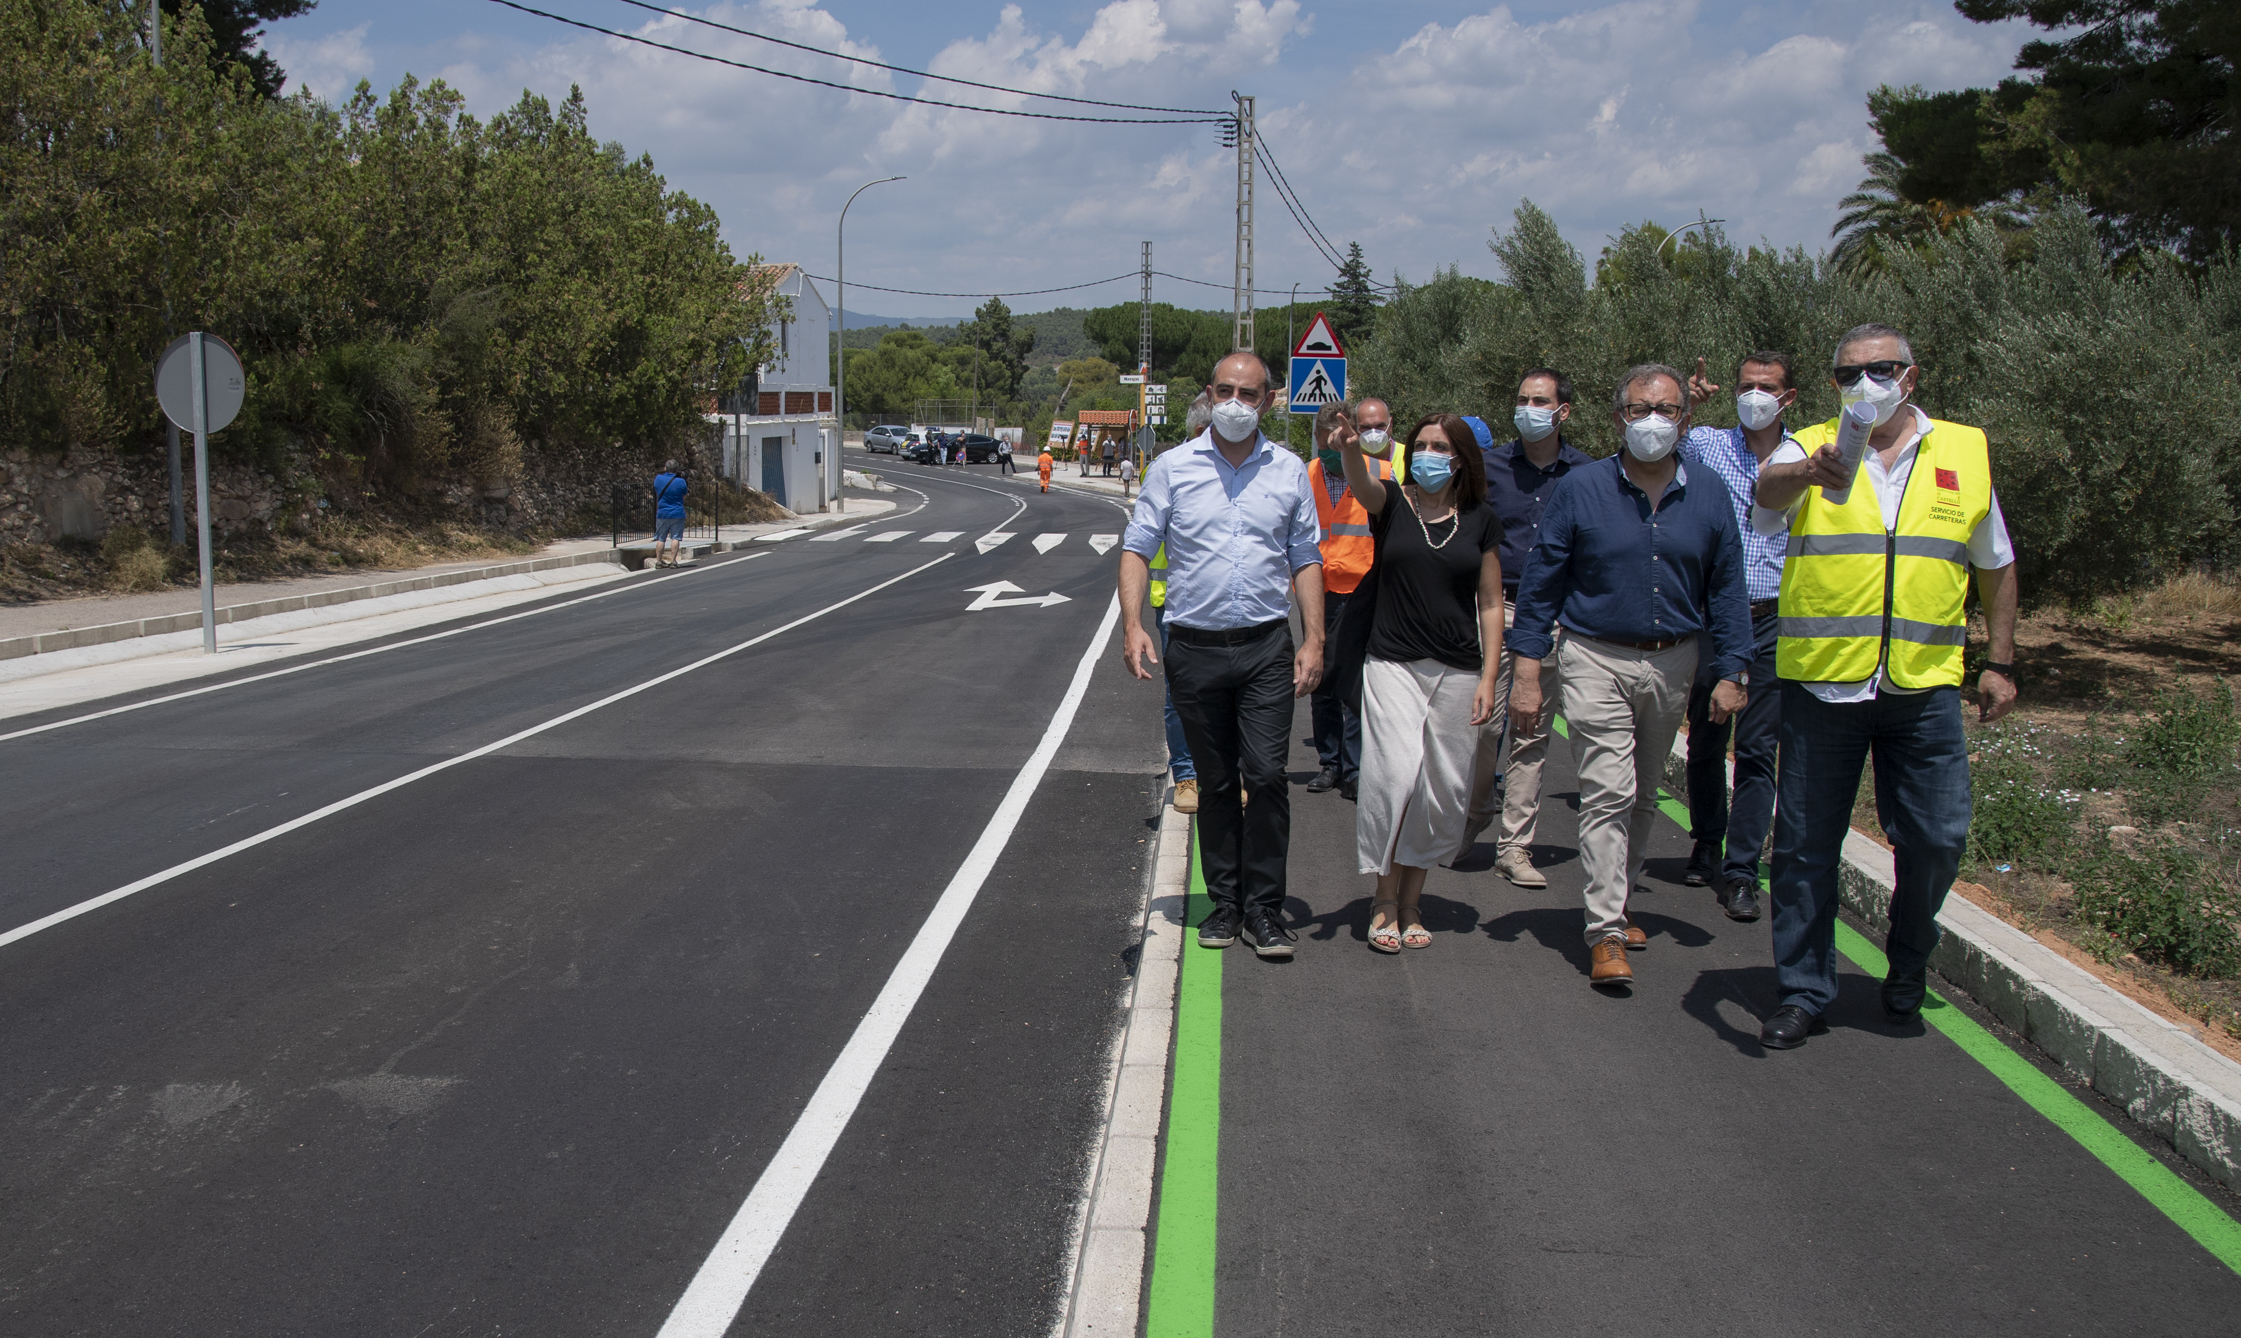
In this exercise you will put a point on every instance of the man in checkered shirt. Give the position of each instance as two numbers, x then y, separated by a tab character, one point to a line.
1764	390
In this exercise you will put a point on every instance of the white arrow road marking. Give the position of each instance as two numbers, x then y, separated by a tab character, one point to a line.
988	541
990	597
1046	542
1103	543
832	536
942	536
780	537
887	538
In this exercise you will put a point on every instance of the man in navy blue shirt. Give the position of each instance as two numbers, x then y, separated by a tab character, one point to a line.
1521	475
1637	555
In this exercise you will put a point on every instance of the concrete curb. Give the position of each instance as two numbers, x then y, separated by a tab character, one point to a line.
1107	1288
2161	1074
104	633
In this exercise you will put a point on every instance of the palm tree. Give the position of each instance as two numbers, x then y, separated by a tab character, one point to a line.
1879	217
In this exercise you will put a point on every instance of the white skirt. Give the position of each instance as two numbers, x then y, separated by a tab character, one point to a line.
1418	748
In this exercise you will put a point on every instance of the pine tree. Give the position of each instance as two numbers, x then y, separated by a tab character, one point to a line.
1353	301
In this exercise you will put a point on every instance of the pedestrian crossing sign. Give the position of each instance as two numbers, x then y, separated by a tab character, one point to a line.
1317	382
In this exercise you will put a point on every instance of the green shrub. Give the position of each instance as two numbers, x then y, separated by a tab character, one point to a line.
2015	817
2164	901
2179	749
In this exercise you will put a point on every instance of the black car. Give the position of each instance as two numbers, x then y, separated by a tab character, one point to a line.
979	449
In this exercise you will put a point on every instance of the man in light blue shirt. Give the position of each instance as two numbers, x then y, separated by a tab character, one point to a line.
1238	521
1764	390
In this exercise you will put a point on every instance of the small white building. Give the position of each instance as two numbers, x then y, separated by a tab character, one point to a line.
781	438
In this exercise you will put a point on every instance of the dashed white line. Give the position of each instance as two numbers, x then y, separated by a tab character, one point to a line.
942	536
887	537
1046	542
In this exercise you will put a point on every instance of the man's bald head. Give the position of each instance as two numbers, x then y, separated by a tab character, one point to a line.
1241	375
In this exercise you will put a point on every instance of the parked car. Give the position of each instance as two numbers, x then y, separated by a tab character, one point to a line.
919	450
886	440
980	449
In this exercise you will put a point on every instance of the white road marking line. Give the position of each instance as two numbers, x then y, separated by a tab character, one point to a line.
833	536
992	597
720	1288
942	536
271	833
993	539
1046	542
1103	543
646	584
886	537
780	537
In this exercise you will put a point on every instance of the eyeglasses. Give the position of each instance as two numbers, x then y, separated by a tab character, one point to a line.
1889	369
1635	413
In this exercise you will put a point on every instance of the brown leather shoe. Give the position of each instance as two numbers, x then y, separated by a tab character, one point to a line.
1636	940
1608	958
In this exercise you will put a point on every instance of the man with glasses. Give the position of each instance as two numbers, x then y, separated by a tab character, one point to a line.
1764	389
1521	476
1234	513
1637	555
1874	627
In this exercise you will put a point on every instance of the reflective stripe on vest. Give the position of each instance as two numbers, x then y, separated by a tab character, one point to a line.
1348	549
1159	578
1855	596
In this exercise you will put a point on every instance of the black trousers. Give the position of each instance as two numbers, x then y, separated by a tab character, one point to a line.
1235	702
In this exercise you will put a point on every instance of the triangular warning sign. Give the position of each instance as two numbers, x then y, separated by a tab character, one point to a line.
1320	341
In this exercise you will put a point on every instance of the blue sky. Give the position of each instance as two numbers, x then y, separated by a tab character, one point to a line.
1414	128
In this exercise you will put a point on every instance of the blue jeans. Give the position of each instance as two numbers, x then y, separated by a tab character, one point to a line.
1178	751
1338	731
1921	796
1756	729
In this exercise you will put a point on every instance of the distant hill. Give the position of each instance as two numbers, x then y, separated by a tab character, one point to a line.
866	319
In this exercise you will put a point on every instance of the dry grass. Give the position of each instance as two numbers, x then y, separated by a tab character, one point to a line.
2193	597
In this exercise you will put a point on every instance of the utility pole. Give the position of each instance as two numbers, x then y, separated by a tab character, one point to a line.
170	429
1241	336
1144	365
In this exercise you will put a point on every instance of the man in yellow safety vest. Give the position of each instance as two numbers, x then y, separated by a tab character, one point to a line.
1874	625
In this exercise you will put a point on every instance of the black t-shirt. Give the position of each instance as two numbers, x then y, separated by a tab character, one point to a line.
1427	598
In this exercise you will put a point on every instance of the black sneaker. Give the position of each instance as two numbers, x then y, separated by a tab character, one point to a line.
1702	860
1741	900
1326	779
1219	929
1266	935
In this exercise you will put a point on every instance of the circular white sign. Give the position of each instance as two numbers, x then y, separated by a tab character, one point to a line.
223	385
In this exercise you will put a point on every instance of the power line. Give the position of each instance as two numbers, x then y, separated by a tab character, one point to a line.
1031	292
1284	198
1205	119
922	74
1316	237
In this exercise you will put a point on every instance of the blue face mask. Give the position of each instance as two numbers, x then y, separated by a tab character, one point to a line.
1430	471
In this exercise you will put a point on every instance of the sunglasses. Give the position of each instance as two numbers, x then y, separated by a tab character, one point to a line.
1889	369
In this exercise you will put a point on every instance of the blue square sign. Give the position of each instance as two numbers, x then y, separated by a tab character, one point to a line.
1317	382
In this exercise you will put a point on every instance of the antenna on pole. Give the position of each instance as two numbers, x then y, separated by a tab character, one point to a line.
1241	330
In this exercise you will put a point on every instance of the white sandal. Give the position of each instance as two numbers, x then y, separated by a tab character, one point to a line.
1385	937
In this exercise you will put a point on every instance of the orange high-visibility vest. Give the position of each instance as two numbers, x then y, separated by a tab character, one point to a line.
1348	549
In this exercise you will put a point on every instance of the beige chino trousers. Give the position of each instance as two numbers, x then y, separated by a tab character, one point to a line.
1521	786
1623	708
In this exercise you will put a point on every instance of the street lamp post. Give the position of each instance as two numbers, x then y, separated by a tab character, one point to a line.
840	345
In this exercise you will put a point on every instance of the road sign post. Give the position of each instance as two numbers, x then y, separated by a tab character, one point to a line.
1318	368
200	386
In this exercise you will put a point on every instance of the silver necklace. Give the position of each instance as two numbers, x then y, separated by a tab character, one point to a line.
1453	529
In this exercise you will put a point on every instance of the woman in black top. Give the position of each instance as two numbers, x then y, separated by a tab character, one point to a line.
1435	646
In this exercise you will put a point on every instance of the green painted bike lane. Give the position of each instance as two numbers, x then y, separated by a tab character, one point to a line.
1181	1293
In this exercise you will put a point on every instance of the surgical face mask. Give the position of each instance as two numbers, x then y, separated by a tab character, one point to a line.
1333	462
1431	470
1235	420
1533	422
1884	396
1652	438
1376	441
1757	408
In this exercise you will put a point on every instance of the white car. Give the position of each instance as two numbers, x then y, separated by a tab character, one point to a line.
886	439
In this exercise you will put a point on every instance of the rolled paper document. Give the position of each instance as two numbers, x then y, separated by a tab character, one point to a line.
1852	428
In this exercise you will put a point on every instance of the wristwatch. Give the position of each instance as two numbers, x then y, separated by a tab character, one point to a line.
2006	671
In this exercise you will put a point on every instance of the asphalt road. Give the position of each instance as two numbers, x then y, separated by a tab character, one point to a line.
504	1048
1468	1139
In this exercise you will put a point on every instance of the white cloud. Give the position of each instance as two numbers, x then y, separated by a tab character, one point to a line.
1633	110
329	66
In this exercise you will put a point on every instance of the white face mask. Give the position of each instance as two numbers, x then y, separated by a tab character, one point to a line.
1651	439
1533	423
1884	396
1757	408
1235	420
1376	441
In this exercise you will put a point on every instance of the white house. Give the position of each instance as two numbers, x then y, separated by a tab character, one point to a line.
784	432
